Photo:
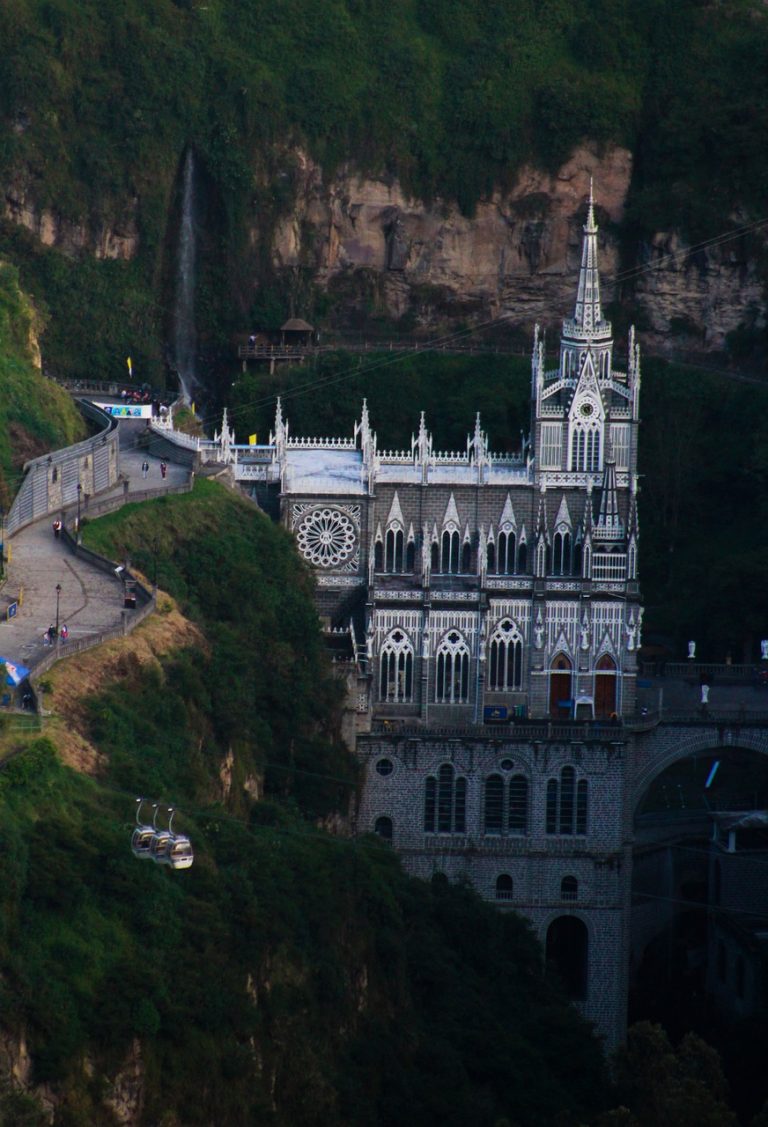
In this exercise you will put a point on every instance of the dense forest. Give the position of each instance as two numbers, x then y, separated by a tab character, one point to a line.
98	102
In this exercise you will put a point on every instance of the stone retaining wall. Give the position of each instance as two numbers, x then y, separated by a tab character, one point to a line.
51	482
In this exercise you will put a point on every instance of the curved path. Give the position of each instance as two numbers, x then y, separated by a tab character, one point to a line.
90	601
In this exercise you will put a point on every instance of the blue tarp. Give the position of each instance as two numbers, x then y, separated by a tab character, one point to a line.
16	673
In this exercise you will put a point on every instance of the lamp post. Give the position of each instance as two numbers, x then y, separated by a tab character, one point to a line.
79	495
58	597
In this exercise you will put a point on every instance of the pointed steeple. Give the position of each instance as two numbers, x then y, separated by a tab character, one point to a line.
588	315
609	526
587	322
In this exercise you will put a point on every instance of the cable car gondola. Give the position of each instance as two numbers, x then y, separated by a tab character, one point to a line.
168	848
141	839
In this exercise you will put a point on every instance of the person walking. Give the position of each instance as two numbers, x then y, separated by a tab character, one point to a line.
57	528
64	632
163	469
144	468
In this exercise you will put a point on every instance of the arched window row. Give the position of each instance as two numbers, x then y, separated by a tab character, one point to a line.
506	808
567	803
396	669
445	802
506	805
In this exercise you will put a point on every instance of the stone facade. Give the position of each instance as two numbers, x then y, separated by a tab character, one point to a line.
496	599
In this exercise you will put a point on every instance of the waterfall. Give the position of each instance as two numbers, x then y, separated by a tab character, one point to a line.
184	333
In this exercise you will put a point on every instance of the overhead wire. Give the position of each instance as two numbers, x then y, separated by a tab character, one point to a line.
442	342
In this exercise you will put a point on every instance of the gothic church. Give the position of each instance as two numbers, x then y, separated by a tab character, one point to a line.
495	599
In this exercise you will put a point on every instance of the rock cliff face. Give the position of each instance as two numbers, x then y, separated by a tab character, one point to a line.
368	243
116	240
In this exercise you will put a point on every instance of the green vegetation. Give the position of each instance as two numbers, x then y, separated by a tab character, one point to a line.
262	688
99	100
325	398
289	977
35	414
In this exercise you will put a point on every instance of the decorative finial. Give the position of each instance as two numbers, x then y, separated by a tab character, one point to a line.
591	226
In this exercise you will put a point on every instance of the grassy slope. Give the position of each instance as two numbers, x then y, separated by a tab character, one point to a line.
289	978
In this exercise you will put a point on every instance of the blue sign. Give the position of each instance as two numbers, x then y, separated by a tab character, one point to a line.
12	610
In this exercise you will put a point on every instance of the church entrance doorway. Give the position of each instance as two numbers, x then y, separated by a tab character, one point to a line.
605	688
560	696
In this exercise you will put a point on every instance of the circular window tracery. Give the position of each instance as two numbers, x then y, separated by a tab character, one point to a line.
326	537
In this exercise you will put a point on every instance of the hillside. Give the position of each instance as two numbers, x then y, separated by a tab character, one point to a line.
290	977
425	108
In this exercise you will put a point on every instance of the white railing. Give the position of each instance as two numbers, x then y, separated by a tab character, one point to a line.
609	566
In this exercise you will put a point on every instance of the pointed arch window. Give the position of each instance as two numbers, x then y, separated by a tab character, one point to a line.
450	552
505	670
434	561
452	679
561	554
396	669
378	556
506	553
393	552
490	558
445	802
522	558
410	556
466	557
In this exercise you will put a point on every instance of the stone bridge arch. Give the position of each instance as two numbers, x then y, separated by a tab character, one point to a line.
666	744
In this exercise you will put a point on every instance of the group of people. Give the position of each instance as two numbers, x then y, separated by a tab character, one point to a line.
145	468
51	634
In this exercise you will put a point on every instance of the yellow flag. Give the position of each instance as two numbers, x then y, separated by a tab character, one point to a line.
252	439
193	408
130	365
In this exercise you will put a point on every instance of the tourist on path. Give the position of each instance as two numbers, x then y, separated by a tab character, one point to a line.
144	469
57	528
163	469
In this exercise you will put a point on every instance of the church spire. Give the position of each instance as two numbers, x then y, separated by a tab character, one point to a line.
588	315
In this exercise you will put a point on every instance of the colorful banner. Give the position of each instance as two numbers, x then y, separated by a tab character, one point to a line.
127	410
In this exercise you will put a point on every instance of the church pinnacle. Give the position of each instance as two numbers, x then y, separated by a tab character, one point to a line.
587	319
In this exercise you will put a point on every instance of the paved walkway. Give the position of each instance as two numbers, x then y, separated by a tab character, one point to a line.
90	601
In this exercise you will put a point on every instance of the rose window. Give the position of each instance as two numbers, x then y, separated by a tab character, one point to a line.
326	537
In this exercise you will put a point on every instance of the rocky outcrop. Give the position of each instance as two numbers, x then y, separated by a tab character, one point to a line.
118	239
366	241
